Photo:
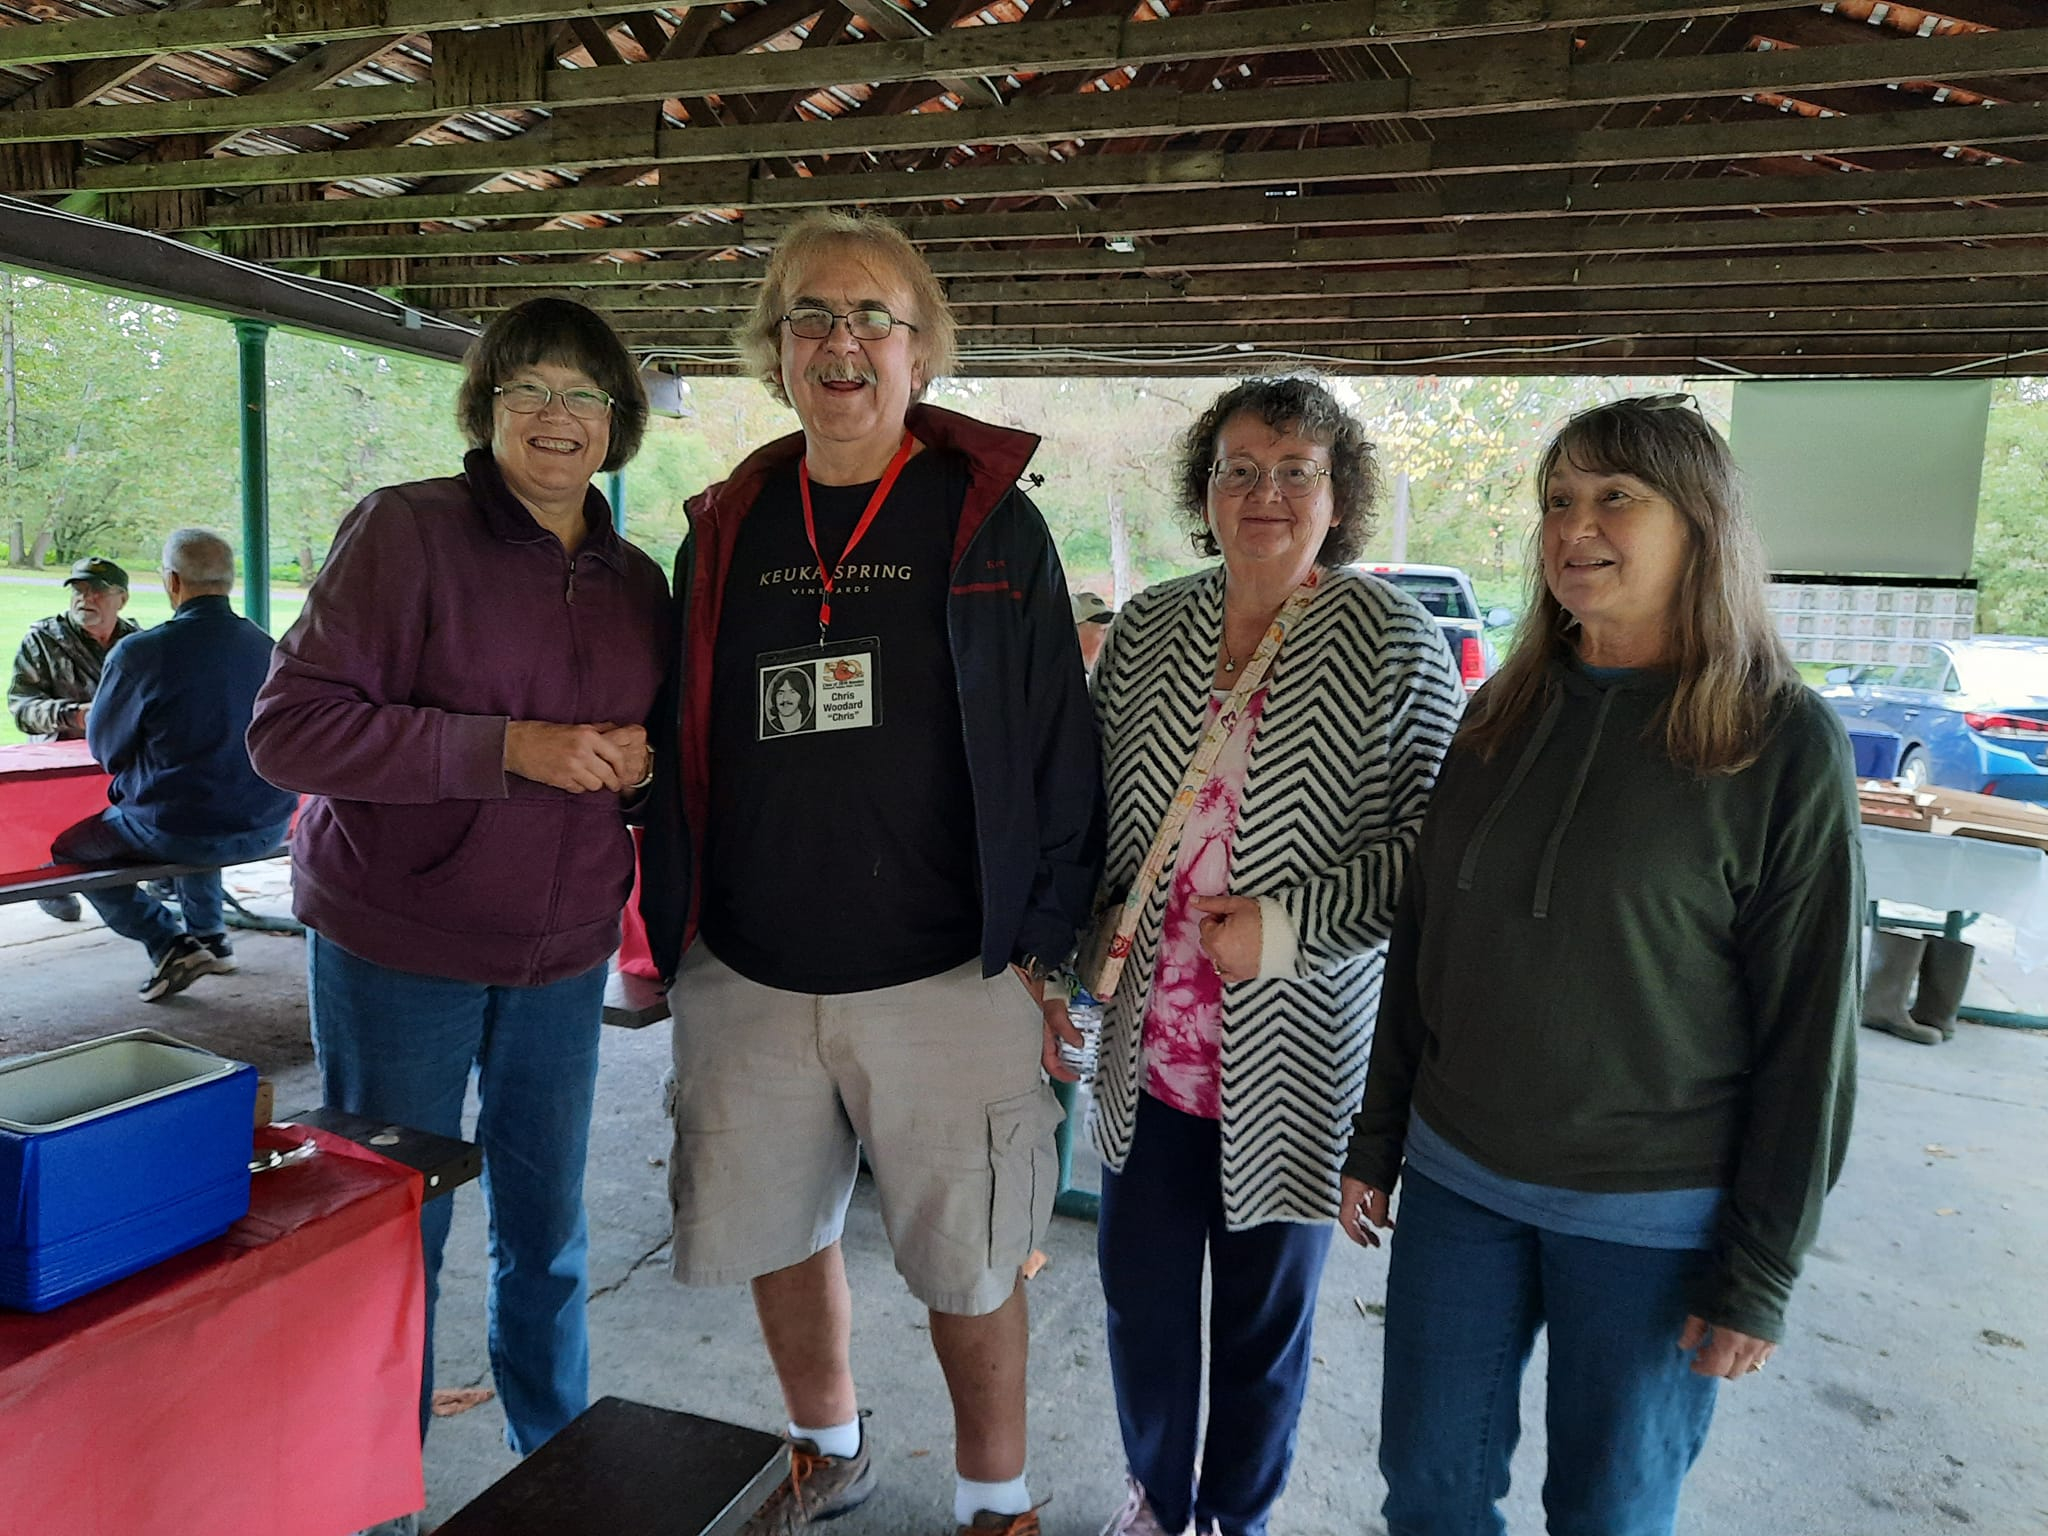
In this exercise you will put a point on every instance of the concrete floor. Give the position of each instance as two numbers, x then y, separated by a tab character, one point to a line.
1911	1398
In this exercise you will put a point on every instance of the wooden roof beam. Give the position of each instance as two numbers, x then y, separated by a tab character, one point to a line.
1541	239
1535	67
1185	214
1024	328
959	51
1499	184
721	305
1466	78
83	83
244	26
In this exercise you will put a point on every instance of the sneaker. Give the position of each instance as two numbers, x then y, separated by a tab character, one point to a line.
220	954
181	965
819	1488
63	908
1136	1517
987	1522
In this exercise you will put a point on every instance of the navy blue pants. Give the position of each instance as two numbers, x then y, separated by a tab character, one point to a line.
113	837
1467	1289
1161	1217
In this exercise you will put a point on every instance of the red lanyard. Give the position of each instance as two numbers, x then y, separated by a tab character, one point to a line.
867	518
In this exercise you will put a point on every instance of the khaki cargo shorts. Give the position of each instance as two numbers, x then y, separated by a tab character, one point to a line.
777	1093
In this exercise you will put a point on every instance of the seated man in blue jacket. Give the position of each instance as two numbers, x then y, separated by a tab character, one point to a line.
168	721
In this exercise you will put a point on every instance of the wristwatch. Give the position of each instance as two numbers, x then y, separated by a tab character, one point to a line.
1037	969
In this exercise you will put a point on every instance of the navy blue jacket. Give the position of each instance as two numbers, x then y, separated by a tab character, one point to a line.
168	721
1032	760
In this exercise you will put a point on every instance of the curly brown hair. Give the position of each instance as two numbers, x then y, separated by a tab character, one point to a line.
1302	405
565	333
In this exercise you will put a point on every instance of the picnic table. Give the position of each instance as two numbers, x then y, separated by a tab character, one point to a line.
46	786
266	1381
1963	878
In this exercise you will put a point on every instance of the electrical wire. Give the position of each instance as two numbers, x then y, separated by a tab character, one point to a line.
1984	362
1214	352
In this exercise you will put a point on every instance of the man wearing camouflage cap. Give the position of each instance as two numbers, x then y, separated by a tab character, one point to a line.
57	670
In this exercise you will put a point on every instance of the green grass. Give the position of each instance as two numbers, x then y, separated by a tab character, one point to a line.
23	602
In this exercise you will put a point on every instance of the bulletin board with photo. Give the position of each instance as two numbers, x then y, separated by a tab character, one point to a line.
1845	622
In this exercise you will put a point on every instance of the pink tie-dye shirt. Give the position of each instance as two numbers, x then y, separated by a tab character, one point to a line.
1184	1020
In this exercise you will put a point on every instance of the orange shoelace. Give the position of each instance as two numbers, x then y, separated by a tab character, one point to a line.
802	1466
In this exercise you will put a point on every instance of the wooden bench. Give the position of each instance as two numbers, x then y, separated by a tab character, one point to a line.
630	1002
627	1469
633	1002
444	1164
70	879
67	879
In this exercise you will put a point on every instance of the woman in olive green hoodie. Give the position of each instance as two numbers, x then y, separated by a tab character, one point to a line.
1615	1056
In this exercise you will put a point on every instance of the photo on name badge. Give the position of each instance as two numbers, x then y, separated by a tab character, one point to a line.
805	692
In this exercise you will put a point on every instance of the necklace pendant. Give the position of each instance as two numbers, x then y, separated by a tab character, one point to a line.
1230	664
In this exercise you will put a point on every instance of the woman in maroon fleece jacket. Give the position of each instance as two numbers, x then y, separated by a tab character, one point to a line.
465	699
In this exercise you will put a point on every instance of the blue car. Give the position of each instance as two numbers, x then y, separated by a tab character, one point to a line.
1965	712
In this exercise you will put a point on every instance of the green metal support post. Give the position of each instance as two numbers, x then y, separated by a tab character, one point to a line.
615	493
251	337
1081	1204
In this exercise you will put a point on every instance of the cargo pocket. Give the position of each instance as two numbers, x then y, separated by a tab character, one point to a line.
1025	1170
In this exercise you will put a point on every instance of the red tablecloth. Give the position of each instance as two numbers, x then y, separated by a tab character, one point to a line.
266	1384
45	786
635	957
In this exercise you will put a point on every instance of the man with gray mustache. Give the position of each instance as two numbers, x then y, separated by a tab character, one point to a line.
874	841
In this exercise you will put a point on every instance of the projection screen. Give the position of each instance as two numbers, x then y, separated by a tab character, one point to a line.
1865	477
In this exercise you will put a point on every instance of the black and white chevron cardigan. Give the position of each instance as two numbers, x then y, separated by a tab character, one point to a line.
1361	704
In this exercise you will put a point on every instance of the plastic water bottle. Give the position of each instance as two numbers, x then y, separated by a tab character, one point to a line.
1086	1015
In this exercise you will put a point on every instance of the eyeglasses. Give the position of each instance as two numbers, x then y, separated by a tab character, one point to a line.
814	322
531	399
1292	478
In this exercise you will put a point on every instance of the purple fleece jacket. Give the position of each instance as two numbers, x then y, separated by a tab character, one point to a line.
444	612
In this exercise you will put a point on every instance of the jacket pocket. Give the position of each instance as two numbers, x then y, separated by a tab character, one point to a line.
440	845
1025	1172
500	878
596	866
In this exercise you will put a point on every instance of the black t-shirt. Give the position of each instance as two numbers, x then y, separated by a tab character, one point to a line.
841	857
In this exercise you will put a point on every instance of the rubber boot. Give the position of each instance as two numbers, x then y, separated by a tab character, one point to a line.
1894	967
1944	976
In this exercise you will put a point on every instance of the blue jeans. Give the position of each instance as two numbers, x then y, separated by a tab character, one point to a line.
1466	1291
399	1047
113	837
1160	1218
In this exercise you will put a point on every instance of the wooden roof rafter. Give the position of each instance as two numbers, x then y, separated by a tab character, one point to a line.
1218	175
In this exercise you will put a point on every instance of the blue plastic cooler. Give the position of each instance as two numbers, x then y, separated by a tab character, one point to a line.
114	1154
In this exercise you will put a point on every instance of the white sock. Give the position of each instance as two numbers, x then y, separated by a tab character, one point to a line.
840	1440
971	1498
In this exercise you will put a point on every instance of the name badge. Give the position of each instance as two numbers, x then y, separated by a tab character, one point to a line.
815	688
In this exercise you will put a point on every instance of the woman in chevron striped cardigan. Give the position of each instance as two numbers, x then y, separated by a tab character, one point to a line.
1236	1044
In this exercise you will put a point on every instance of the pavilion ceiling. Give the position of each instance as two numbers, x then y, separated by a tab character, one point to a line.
1495	186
